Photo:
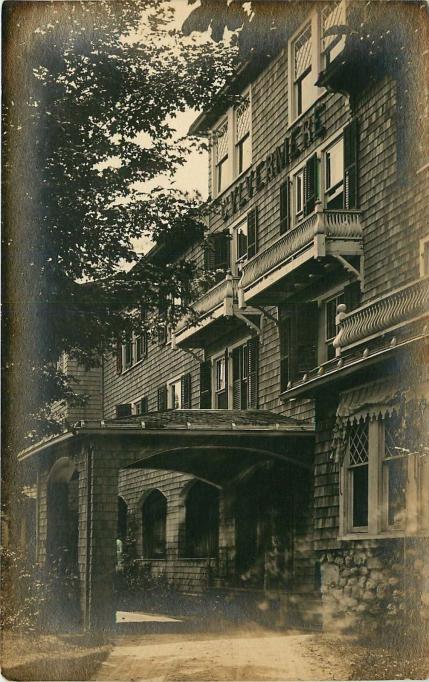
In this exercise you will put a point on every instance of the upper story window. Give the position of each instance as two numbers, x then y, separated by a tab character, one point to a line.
243	151
304	91
232	144
222	165
310	51
334	174
245	237
230	380
131	352
333	14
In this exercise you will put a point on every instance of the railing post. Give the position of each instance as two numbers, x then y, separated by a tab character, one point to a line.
341	314
319	231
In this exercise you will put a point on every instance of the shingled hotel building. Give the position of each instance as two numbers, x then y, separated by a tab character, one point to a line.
277	446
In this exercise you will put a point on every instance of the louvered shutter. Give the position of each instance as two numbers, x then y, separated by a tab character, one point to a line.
351	197
217	251
310	184
162	398
222	250
209	255
144	405
185	387
236	378
285	334
252	381
284	207
123	410
252	232
119	356
206	385
306	328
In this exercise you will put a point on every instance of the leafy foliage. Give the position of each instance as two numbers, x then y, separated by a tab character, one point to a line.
91	93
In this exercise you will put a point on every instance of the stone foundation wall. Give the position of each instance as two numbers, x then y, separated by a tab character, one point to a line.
374	585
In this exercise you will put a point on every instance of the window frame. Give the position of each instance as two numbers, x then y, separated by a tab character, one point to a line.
170	384
331	192
416	515
229	163
314	22
325	53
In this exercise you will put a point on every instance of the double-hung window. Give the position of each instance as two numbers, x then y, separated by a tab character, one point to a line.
304	92
332	17
232	144
222	156
174	396
243	150
221	382
299	195
334	175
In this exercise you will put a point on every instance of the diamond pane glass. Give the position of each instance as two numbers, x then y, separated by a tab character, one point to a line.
242	118
358	444
302	52
222	141
332	15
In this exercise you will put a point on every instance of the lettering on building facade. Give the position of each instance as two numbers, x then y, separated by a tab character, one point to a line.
300	138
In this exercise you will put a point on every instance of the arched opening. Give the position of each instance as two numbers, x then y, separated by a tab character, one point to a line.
154	525
63	517
202	521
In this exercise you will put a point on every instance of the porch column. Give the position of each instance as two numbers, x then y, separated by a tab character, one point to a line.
97	530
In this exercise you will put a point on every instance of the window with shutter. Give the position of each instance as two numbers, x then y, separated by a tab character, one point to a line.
252	232
141	406
221	382
162	398
206	385
123	410
306	321
253	361
351	145
311	184
217	251
186	391
284	207
245	376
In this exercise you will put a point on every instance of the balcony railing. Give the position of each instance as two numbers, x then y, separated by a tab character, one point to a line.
386	313
344	225
223	293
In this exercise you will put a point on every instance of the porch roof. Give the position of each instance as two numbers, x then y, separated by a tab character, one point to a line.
187	440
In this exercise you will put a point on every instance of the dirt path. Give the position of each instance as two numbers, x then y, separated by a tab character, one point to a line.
170	653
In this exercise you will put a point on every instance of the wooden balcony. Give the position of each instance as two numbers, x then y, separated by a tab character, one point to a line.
322	234
216	310
383	316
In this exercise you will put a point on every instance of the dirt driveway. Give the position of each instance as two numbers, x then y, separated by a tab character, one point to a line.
160	649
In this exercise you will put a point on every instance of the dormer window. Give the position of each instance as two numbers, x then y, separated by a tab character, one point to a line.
304	94
221	146
332	15
243	152
232	144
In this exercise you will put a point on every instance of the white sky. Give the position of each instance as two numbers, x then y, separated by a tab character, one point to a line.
193	175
